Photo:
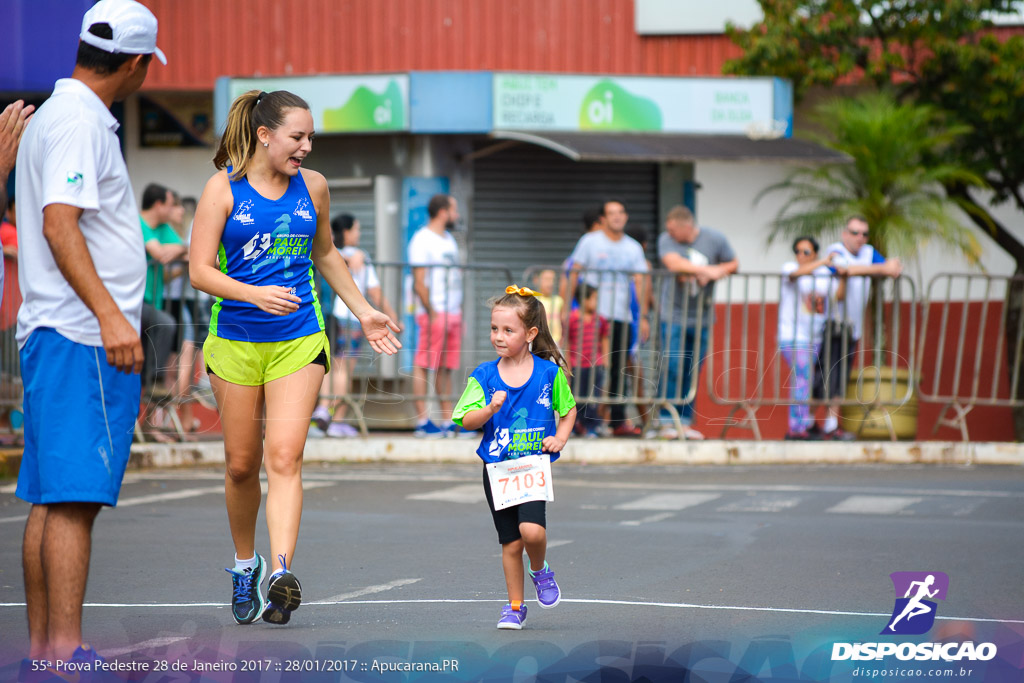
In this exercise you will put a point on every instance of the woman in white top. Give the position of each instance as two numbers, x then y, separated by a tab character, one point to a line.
807	288
329	415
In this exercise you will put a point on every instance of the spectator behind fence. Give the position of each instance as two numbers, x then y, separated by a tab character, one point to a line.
808	290
9	282
83	275
162	246
858	260
329	415
553	304
12	124
605	258
700	256
588	345
181	303
437	287
593	221
635	369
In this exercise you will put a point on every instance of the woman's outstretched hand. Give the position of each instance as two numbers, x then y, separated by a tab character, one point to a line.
380	331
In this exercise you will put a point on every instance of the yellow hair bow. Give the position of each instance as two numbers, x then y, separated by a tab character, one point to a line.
521	291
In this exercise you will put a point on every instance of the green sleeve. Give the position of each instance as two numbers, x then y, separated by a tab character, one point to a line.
147	232
167	235
561	394
472	399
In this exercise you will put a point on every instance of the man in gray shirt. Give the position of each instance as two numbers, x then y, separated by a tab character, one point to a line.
699	256
612	261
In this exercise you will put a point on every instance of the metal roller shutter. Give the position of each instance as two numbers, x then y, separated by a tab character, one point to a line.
528	204
357	201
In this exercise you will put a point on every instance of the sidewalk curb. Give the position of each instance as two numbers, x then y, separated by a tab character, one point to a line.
615	452
401	448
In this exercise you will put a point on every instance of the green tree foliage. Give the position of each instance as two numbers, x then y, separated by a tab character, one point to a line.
892	179
944	53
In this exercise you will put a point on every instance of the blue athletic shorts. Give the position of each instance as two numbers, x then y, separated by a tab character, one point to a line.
79	418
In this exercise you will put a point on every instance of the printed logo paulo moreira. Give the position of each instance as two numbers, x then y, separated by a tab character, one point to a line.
914	611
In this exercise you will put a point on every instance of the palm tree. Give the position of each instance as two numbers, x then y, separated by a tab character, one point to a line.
894	179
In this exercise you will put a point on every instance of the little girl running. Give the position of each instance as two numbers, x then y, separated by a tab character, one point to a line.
515	394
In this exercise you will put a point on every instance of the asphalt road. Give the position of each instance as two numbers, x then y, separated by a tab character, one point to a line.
667	573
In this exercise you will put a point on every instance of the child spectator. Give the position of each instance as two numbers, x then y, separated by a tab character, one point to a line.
588	347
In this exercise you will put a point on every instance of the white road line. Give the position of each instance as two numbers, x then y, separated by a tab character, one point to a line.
555	544
170	495
144	645
466	493
762	503
660	517
581	601
874	505
369	590
668	501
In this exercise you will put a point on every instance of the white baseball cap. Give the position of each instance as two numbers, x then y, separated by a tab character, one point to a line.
133	26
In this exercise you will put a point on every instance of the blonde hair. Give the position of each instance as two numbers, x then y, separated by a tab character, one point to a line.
531	312
248	113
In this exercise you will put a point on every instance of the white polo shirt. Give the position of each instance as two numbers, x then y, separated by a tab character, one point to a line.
70	154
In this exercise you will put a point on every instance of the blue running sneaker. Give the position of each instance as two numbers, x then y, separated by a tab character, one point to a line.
284	595
429	430
513	616
246	601
548	594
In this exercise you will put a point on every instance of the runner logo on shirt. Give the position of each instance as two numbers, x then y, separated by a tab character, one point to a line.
75	179
302	210
242	214
545	396
501	439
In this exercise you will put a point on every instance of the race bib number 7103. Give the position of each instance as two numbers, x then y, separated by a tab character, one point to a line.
519	481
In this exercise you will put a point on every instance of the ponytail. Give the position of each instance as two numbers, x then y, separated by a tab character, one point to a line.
249	112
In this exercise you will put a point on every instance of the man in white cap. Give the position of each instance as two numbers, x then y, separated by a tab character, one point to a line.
82	277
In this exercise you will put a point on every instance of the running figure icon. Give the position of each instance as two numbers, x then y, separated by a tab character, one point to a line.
915	606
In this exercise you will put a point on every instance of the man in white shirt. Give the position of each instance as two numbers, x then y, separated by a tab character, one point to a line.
437	290
609	260
82	278
858	261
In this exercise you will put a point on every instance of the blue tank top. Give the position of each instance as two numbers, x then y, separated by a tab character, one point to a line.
526	417
268	243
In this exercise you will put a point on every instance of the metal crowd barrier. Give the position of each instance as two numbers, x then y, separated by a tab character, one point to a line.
974	324
985	326
746	372
647	381
10	366
382	386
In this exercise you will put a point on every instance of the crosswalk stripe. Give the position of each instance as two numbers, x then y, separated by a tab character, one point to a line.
660	517
874	505
466	493
668	501
762	503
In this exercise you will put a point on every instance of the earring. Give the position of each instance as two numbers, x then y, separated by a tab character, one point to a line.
266	144
531	347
